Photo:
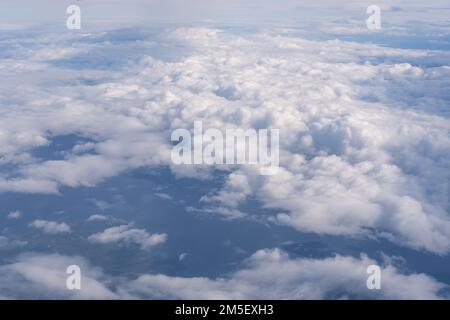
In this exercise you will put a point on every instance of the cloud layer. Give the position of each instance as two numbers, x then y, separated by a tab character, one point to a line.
365	129
267	274
128	235
365	145
51	227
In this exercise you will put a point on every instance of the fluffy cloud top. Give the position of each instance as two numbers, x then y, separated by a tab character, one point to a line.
51	227
128	235
365	129
267	274
44	276
14	215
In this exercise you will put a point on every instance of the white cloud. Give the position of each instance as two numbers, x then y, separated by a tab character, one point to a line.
325	15
128	235
271	274
51	227
182	256
97	217
14	215
267	274
364	128
33	276
355	155
226	200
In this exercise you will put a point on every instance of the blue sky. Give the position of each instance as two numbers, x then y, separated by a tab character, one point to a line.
86	176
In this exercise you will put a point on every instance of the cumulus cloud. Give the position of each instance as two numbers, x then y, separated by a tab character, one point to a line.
97	217
128	235
226	201
271	274
182	256
356	158
14	215
51	227
32	276
267	274
364	128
